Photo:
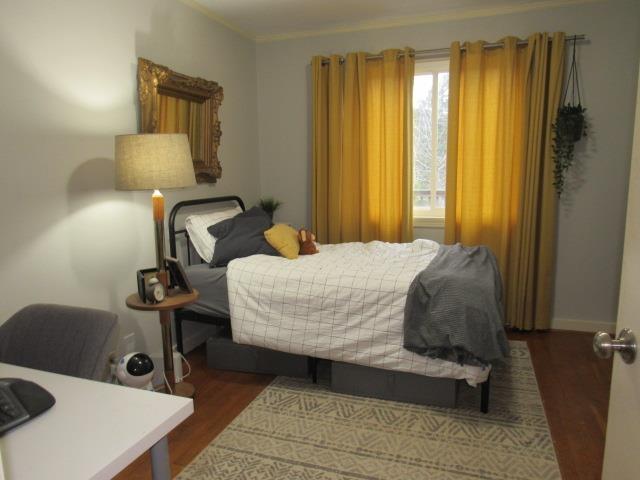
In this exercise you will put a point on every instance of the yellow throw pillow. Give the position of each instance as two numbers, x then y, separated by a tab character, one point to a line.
284	239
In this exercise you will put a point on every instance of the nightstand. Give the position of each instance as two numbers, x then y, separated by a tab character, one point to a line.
174	300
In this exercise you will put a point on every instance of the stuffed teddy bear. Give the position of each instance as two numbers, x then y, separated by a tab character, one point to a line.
306	238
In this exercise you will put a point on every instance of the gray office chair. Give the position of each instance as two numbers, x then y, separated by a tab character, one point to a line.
67	340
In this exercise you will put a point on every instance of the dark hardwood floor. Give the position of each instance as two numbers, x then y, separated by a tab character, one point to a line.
574	385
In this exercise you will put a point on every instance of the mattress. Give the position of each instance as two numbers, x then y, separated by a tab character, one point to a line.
211	283
345	303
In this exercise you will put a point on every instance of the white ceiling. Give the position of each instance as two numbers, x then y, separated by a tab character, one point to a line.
275	19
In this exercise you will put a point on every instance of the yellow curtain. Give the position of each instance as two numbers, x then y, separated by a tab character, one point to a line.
500	192
177	115
362	147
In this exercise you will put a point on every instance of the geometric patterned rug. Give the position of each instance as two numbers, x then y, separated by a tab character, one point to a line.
295	430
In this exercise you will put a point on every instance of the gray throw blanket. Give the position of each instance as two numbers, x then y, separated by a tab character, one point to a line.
454	308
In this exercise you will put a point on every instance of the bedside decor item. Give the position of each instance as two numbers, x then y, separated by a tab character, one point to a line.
178	276
142	279
307	239
569	128
154	291
171	102
269	205
135	370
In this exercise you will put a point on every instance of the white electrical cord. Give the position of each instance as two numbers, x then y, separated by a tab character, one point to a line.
166	381
188	365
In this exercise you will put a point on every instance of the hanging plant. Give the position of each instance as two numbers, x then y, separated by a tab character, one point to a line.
570	126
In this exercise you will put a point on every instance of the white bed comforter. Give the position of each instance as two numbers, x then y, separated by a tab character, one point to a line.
345	303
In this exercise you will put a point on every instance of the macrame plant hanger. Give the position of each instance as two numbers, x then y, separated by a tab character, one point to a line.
570	126
573	80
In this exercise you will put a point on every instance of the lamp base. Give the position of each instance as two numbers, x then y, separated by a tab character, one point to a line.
158	223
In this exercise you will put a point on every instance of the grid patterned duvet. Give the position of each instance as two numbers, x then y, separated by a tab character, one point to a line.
345	303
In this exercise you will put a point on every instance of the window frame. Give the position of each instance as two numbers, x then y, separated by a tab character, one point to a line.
423	217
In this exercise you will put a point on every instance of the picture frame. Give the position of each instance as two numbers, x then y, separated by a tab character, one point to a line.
156	81
142	279
177	275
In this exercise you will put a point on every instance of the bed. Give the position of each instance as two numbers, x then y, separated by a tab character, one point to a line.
343	305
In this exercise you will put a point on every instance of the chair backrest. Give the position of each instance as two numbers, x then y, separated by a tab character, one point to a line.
60	339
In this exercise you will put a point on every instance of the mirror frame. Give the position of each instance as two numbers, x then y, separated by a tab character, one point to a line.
155	80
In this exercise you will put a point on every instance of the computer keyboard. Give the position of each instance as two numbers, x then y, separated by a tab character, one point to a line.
21	400
12	413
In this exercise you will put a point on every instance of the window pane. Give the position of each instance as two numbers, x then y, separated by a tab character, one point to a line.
443	109
422	138
430	117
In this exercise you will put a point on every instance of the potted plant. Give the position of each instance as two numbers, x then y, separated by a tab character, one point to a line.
269	205
570	126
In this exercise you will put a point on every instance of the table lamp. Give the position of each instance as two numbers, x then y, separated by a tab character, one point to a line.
154	161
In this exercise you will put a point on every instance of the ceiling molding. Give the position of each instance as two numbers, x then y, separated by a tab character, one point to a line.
217	18
452	15
424	19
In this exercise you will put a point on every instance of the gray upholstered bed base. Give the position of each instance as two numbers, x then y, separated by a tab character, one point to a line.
224	354
389	385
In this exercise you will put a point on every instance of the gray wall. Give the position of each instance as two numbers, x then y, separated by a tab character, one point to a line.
592	217
69	86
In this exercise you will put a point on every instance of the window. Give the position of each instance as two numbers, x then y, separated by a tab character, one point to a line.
430	108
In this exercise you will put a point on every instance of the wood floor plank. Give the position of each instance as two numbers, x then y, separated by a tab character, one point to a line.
573	383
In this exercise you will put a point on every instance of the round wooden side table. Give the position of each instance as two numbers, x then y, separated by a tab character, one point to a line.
174	300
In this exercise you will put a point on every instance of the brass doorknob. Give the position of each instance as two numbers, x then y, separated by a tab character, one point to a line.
625	344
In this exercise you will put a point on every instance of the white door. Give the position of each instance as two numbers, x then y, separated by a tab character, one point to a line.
622	451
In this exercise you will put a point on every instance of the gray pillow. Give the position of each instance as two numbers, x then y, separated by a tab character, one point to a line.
241	236
221	229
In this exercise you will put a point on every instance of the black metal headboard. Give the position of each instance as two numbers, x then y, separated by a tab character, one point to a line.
190	203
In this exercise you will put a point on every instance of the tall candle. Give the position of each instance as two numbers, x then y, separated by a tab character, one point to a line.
158	206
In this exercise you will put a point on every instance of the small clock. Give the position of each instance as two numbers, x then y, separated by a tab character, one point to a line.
155	291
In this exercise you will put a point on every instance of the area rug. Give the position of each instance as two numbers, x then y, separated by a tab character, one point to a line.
297	430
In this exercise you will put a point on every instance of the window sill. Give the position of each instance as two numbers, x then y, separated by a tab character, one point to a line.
428	222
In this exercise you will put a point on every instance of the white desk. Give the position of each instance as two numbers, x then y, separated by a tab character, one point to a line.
92	432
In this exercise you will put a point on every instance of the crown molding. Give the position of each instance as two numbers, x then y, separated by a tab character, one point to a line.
448	16
462	14
217	18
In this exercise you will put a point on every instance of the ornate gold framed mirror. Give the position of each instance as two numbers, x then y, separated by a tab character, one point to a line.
171	102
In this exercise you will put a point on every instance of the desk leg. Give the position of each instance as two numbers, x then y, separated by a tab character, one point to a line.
160	465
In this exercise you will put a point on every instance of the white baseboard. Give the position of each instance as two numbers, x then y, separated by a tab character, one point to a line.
582	325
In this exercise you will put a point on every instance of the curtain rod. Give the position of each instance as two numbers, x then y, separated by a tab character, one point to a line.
444	52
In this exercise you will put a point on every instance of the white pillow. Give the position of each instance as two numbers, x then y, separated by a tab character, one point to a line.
196	226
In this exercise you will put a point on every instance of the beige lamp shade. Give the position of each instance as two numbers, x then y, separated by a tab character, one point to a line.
153	161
